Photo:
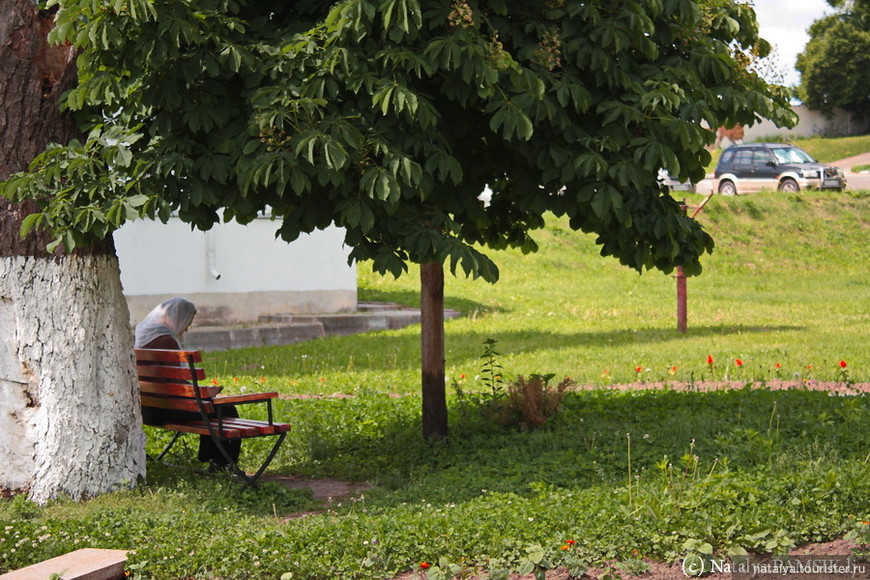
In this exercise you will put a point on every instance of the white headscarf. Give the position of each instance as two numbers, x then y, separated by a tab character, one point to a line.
171	317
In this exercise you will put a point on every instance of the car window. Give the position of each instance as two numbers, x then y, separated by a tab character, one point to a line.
792	155
743	157
760	156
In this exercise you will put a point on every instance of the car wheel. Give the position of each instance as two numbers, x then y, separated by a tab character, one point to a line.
789	185
727	188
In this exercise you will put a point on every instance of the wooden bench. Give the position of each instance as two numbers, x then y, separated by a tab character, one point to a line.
170	379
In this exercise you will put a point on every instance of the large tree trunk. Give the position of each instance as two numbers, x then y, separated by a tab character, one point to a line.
432	333
69	403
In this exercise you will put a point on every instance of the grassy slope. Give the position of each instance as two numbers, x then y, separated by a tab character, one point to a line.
786	284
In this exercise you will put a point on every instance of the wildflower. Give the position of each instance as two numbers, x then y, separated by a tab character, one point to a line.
842	364
709	359
673	370
565	547
462	376
777	365
809	367
262	379
214	381
638	369
738	362
570	542
424	565
235	379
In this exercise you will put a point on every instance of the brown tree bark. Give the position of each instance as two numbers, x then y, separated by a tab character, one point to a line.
432	337
32	77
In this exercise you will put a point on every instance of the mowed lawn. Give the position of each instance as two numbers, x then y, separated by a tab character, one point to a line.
617	478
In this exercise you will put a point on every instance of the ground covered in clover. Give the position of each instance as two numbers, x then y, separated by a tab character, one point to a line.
329	490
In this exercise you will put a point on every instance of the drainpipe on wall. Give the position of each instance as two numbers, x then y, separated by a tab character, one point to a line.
210	257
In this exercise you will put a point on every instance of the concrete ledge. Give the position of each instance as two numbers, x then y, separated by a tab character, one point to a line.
212	338
84	564
275	329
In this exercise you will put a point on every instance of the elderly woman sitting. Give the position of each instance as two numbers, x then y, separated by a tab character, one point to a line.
163	328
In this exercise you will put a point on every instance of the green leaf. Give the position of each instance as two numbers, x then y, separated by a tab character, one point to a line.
498	7
31	221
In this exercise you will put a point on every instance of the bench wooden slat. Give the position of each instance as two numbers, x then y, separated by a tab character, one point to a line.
266	428
168	372
178	389
232	428
170	356
200	428
175	403
248	398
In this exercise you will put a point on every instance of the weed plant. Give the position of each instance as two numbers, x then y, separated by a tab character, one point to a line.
612	477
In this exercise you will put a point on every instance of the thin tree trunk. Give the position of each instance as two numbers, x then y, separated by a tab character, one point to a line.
70	422
432	336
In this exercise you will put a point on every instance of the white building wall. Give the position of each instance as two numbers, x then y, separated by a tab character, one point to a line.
811	124
234	273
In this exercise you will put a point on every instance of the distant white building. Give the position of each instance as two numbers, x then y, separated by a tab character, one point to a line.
234	273
810	124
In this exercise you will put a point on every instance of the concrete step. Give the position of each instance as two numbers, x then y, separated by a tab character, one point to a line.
84	564
275	329
210	338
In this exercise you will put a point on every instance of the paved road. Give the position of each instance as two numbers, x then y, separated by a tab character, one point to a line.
855	181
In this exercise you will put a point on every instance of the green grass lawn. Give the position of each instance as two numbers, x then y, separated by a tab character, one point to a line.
662	474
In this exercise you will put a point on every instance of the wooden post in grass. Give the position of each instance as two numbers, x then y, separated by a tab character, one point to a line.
682	324
682	317
432	338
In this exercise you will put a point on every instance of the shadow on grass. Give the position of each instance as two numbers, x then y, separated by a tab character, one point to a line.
412	299
378	351
589	443
537	340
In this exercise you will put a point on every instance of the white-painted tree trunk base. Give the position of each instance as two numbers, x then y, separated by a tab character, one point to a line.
70	421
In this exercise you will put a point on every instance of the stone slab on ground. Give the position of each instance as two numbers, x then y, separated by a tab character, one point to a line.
83	564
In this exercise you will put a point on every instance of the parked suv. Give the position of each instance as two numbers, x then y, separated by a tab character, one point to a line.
758	166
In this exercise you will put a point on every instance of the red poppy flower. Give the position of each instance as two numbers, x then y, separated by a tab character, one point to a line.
424	565
843	364
214	381
738	362
777	365
709	359
570	542
638	369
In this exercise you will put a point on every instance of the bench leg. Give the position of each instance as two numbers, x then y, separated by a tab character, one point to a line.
269	459
250	479
163	453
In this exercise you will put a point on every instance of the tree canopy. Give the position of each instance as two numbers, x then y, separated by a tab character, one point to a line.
389	117
835	64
